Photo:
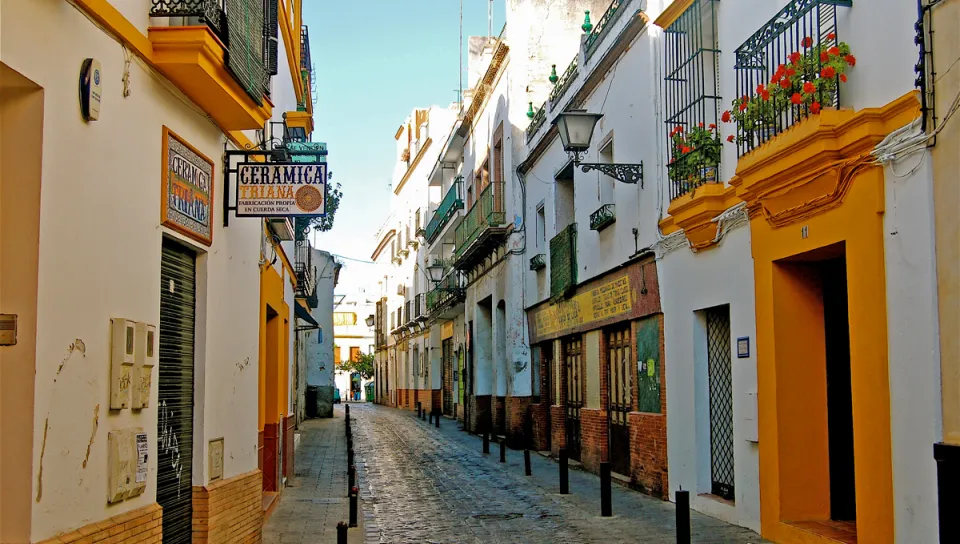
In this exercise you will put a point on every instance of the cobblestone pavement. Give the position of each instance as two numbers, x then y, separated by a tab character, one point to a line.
315	499
420	484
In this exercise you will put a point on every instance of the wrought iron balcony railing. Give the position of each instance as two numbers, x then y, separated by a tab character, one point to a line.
563	83
447	291
804	30
689	172
420	307
609	18
451	203
407	306
487	213
306	68
538	262
605	216
209	12
539	117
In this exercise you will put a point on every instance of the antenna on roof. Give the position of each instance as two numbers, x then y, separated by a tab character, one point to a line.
490	19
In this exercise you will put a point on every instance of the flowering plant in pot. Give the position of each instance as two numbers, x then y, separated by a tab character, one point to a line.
694	157
806	81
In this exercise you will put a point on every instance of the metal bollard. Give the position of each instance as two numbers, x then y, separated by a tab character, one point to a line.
606	504
564	473
351	478
346	408
353	506
342	533
419	411
350	462
683	517
436	420
486	442
526	463
430	416
503	451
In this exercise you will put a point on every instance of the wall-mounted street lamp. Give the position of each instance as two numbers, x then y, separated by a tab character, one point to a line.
369	321
576	130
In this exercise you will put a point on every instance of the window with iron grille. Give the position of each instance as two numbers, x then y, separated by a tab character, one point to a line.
691	98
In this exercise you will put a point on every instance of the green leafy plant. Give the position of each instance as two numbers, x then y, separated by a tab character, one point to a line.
805	81
362	366
325	223
693	155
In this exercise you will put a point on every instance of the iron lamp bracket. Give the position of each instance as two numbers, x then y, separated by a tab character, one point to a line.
625	172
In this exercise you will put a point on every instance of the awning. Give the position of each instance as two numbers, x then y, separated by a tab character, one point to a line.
303	314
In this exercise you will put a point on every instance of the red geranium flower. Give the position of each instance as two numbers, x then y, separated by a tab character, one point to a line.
784	83
781	70
809	88
795	57
760	88
775	80
851	60
685	149
701	125
725	117
824	57
828	72
815	107
834	51
765	95
796	98
843	78
791	72
831	36
712	126
807	42
743	106
730	138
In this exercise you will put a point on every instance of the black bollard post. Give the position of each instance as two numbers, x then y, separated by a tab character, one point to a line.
351	478
436	420
486	442
526	462
353	506
564	473
350	458
419	410
683	517
606	505
346	408
430	417
503	451
342	533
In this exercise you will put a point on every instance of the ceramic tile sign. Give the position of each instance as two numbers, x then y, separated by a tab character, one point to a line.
187	189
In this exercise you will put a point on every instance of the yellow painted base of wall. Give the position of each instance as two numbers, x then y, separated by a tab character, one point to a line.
812	193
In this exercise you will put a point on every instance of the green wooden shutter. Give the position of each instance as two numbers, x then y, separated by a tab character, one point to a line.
245	24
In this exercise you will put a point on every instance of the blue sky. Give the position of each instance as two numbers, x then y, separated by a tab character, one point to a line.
375	61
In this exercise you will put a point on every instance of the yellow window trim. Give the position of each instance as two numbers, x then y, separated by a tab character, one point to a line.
673	12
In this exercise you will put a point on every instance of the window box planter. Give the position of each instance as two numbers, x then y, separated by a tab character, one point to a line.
538	262
605	216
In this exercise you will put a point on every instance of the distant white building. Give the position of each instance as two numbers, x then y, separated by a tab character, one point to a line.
352	337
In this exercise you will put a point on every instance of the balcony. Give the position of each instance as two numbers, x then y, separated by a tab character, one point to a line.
306	71
445	295
603	26
449	206
538	262
420	313
605	216
483	228
801	38
303	266
229	83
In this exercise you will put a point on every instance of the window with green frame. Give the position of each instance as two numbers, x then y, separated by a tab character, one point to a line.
691	98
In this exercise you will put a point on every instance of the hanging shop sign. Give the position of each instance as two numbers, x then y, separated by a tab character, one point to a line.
281	189
307	151
186	203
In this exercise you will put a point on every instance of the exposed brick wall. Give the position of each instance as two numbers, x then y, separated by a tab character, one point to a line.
229	511
593	438
430	399
539	430
558	420
648	452
498	413
140	525
479	413
518	425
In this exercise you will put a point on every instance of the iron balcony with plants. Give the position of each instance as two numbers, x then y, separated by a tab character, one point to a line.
482	228
605	216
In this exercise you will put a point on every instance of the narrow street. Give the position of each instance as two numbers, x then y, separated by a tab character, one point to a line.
423	484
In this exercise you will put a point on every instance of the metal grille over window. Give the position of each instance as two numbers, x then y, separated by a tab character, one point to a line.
691	98
719	369
209	12
271	32
791	50
574	379
245	24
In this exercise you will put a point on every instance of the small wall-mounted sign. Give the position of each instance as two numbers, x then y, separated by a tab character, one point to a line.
90	89
8	329
216	459
186	204
804	232
743	347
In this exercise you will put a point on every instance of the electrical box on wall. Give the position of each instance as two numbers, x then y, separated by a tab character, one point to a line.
121	362
144	359
127	460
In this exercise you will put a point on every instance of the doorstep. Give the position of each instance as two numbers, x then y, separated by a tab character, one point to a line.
270	501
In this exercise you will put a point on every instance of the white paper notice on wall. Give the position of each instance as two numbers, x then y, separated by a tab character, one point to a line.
751	430
142	449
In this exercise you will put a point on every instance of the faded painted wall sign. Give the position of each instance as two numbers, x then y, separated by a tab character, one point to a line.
608	300
630	292
187	189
